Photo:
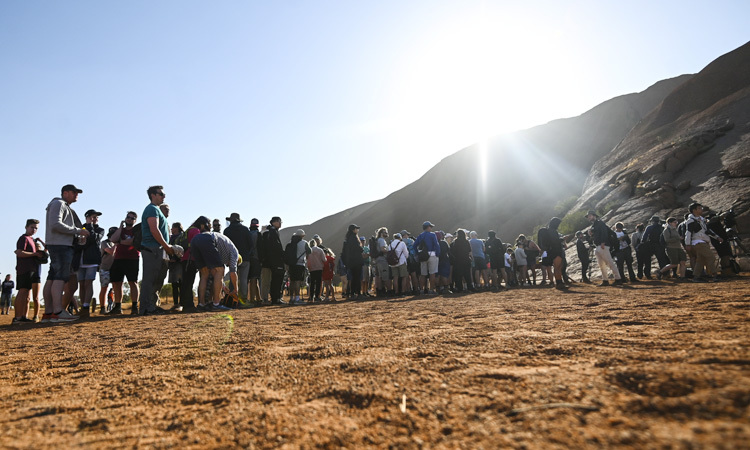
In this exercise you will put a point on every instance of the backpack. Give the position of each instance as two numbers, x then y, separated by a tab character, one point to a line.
137	236
392	256
543	239
374	250
182	239
422	253
614	242
290	254
662	241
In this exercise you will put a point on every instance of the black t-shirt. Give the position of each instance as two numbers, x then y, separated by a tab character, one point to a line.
8	286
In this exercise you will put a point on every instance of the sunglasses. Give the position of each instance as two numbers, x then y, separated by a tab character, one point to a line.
130	217
161	193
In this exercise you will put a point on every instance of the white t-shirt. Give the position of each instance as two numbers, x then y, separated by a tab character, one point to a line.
401	250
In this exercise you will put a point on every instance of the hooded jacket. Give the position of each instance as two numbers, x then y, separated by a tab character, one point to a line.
62	223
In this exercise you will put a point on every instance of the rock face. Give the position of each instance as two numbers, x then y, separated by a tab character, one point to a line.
694	146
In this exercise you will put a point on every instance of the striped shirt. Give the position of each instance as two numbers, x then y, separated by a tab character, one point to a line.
227	250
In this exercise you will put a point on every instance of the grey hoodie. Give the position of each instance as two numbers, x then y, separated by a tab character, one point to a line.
62	223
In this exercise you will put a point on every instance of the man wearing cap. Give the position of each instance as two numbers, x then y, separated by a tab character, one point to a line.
240	236
88	256
62	226
272	262
696	240
155	232
126	263
430	266
601	251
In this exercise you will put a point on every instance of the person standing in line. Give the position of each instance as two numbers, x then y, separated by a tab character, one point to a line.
272	262
240	236
353	260
175	267
636	239
444	265
88	253
430	266
189	270
27	271
297	267
675	252
107	250
603	256
126	263
316	264
583	256
697	238
62	226
521	260
383	286
624	253
328	272
5	296
461	258
400	271
480	261
254	263
204	250
155	231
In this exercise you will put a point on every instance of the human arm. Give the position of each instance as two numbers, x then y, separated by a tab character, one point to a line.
56	210
153	226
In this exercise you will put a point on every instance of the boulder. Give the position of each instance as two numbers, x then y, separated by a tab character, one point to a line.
673	165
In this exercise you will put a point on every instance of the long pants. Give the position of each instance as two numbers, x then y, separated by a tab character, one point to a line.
648	250
276	284
265	282
461	274
355	285
585	263
186	284
604	259
154	272
704	259
625	257
243	270
316	283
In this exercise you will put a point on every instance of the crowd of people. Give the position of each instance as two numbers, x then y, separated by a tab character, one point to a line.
250	266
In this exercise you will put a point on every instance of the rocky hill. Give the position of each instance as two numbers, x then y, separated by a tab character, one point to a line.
511	183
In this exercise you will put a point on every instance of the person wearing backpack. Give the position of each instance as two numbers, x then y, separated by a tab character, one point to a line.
675	252
652	246
429	249
636	239
624	253
378	252
602	246
397	257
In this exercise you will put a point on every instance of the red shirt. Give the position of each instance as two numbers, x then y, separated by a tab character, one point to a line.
126	251
328	268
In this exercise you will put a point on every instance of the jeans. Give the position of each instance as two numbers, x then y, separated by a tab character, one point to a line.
316	283
154	272
60	259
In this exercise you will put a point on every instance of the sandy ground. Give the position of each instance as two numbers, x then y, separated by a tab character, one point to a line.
655	365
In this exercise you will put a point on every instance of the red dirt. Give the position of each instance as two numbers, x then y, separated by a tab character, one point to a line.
656	365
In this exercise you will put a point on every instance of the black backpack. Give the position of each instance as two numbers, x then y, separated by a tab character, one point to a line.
374	250
422	253
614	242
290	254
543	239
137	236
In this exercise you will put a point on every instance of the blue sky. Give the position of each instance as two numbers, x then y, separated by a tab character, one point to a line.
302	109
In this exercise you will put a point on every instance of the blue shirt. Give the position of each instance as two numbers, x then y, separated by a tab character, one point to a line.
430	240
477	248
147	239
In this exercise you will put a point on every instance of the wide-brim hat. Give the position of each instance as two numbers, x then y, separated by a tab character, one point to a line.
234	217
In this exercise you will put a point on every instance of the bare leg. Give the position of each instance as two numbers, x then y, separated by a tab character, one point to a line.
35	294
22	303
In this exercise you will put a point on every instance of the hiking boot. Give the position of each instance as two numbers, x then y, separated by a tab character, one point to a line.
102	311
618	282
85	313
604	283
634	280
116	310
134	309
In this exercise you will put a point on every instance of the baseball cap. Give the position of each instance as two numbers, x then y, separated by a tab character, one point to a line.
71	187
92	212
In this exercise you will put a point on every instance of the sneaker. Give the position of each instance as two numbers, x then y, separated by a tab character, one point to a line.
85	313
65	315
604	283
698	280
618	282
16	321
134	309
176	308
116	310
25	320
220	307
46	318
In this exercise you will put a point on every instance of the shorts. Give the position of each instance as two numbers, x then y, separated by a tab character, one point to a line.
104	277
365	273
496	265
60	259
87	273
412	265
430	266
255	267
383	270
531	256
5	300
547	261
676	255
480	264
204	252
297	273
400	271
26	280
122	268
